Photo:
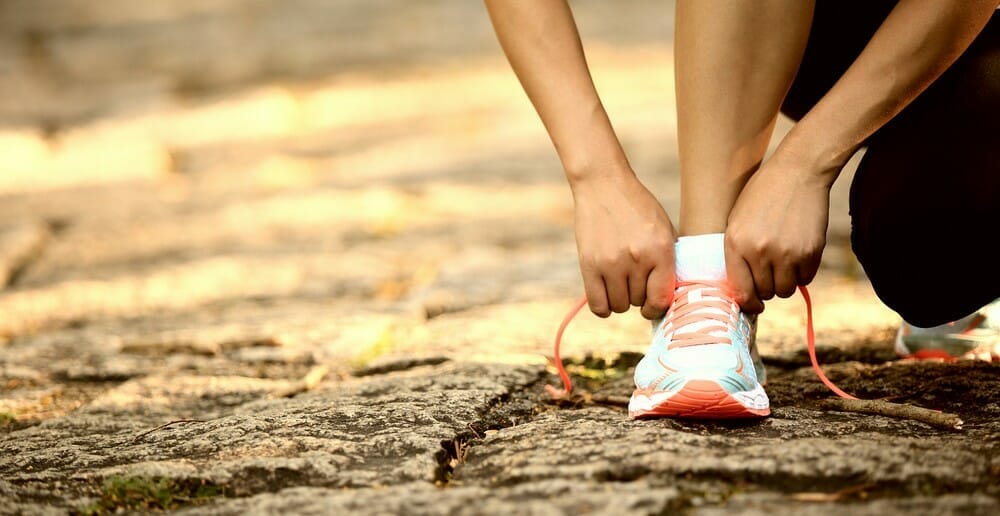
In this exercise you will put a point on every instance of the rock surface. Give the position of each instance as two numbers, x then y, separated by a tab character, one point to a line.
319	270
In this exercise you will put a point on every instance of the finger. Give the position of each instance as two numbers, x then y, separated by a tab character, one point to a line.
742	282
763	279
637	285
806	270
597	297
617	288
785	280
659	291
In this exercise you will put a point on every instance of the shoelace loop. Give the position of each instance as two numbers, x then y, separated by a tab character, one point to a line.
712	304
567	383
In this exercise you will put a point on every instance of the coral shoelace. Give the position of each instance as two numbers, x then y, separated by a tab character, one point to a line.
683	313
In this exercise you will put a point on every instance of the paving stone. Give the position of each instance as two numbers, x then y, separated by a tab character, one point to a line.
320	275
375	432
782	454
541	498
940	504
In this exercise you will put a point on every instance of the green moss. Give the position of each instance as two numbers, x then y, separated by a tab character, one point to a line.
597	374
601	369
145	494
6	417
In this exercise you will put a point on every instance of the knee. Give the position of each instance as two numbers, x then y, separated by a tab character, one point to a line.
920	276
883	266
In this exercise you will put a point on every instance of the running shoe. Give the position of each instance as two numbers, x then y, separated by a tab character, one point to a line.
701	363
974	337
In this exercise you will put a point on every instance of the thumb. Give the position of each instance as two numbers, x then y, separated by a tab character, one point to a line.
740	278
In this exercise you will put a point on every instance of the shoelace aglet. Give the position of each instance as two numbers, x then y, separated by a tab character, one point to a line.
556	393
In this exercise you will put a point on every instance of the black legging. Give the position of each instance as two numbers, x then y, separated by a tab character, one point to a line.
925	201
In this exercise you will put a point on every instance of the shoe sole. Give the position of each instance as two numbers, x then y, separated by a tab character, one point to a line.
949	347
951	351
698	399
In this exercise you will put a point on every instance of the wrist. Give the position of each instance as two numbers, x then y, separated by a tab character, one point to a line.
822	158
591	170
591	152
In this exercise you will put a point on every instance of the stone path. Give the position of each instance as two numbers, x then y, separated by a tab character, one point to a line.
337	292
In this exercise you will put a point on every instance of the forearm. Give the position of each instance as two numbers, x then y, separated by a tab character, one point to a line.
917	42
541	42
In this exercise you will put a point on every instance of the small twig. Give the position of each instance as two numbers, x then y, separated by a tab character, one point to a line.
474	432
165	425
307	383
834	496
897	410
461	452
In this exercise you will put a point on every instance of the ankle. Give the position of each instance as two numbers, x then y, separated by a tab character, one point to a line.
701	257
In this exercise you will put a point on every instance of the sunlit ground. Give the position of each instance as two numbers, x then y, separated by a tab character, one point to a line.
407	210
303	256
373	127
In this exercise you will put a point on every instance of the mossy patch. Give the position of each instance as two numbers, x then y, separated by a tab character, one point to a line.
124	493
597	370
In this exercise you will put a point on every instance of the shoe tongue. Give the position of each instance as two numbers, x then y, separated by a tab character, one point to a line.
700	257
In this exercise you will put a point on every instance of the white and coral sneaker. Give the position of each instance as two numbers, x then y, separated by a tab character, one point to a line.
974	337
701	362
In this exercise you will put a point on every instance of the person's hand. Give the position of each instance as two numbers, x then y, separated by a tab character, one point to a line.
626	245
777	231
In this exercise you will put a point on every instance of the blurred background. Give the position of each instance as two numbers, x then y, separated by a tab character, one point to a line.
119	90
316	180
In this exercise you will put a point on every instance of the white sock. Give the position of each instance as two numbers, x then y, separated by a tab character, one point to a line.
701	257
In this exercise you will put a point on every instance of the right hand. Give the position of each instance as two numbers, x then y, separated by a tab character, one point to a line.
626	245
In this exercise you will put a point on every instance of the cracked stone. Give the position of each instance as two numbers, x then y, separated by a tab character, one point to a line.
544	497
375	431
789	452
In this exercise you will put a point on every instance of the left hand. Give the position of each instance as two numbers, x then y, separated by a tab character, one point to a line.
777	230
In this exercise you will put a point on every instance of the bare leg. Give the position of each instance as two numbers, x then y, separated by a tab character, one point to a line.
734	63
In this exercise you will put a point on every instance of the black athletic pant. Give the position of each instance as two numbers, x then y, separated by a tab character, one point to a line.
925	201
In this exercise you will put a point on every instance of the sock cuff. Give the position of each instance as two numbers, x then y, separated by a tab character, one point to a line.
701	257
